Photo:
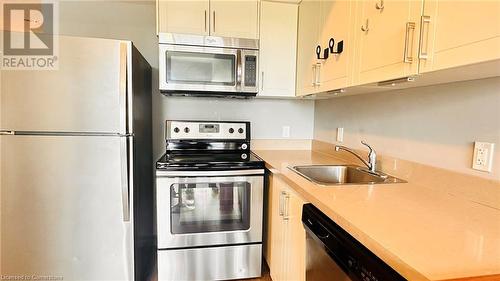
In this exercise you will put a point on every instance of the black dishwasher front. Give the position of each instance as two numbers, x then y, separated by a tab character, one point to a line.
333	254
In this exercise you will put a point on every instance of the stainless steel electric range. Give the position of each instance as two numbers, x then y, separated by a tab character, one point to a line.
209	190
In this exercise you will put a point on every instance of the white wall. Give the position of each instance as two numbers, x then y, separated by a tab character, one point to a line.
135	20
433	125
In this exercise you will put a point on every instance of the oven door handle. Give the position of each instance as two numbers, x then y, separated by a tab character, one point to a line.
175	174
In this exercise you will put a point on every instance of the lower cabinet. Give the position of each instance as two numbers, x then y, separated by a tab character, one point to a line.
286	238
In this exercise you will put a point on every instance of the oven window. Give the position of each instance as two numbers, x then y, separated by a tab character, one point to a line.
200	68
209	207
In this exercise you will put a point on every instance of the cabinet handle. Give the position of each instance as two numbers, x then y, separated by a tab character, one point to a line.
380	6
262	81
424	21
280	209
205	20
214	19
365	28
318	74
410	28
286	207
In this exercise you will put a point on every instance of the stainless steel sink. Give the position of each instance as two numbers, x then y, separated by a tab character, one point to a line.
328	175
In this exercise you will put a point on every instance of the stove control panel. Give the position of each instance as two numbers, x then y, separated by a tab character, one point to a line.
207	130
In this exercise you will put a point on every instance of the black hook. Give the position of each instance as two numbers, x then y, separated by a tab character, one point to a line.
325	53
331	43
340	47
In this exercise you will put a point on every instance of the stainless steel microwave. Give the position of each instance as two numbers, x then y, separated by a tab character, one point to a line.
208	71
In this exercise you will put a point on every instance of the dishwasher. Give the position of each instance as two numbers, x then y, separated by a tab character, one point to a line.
333	254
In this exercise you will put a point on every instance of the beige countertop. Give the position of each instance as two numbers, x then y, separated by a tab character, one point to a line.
422	233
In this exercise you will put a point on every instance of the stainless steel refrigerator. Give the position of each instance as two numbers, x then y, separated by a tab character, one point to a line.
76	162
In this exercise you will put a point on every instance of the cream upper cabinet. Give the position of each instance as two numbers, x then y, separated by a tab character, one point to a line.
188	17
325	24
224	18
308	35
286	254
388	33
385	40
229	18
336	26
278	49
459	33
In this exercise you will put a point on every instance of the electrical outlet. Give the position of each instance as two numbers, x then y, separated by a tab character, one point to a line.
483	156
340	134
285	132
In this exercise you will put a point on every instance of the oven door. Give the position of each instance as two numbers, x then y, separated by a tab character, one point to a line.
209	208
195	68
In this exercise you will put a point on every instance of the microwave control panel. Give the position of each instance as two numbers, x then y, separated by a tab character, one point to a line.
250	71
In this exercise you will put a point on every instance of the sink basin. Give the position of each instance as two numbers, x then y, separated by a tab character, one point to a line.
328	175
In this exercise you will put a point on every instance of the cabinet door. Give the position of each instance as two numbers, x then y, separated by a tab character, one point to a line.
295	237
456	33
337	20
276	242
238	19
309	11
188	17
278	49
388	39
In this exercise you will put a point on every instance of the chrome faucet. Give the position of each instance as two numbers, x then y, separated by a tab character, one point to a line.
372	156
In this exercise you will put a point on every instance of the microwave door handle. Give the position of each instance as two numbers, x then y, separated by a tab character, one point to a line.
239	70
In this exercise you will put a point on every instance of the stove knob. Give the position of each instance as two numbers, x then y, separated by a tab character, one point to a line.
186	130
231	130
176	130
244	156
244	146
240	130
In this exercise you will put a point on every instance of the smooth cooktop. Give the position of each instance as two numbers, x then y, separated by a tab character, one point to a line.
209	161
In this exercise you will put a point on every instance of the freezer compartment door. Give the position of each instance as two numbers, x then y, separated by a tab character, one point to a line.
62	207
88	93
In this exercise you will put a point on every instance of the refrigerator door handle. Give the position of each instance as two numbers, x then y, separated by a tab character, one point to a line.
125	183
3	132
